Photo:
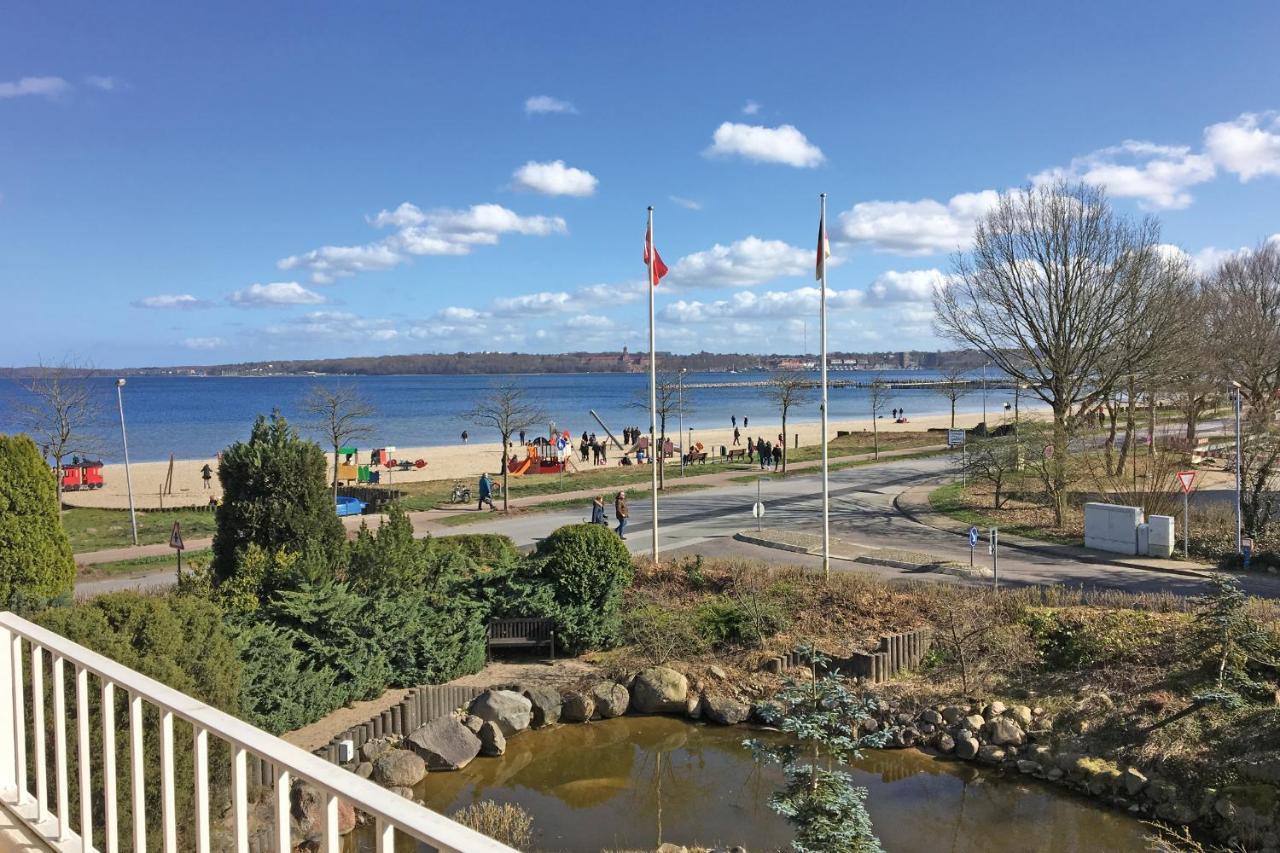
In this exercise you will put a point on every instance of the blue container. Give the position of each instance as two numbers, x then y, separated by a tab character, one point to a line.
350	506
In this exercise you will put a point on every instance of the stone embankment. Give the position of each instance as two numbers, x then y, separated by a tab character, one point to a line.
1016	739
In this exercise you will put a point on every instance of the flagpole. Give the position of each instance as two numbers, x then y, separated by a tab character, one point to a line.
826	487
655	452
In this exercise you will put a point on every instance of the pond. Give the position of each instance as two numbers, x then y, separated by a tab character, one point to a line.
634	782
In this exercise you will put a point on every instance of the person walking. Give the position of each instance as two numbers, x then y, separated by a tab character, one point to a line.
597	511
620	510
777	456
733	421
206	474
744	422
465	436
766	453
604	453
751	449
486	493
736	436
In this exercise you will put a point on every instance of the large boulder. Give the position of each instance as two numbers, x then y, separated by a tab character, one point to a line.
511	711
611	699
444	743
724	710
659	690
991	754
306	814
578	707
966	746
953	714
546	705
399	768
492	741
1003	731
1022	714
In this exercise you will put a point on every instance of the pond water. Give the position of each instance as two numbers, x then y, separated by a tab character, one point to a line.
635	782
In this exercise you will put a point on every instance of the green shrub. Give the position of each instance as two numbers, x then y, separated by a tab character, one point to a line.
388	558
660	634
747	620
276	495
35	555
587	568
1088	639
484	549
282	689
178	640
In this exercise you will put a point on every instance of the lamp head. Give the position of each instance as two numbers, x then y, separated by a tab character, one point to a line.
119	383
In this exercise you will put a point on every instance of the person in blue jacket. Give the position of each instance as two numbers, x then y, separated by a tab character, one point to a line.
486	492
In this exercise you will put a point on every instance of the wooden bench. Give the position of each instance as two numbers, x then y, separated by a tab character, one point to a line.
520	633
696	456
737	453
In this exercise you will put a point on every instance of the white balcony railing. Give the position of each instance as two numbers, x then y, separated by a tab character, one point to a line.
46	810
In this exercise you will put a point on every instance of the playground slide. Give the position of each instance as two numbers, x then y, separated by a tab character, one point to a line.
518	469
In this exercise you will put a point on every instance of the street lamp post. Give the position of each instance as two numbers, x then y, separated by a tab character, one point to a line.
1235	387
684	451
124	437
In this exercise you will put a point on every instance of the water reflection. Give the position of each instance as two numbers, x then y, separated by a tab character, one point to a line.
635	782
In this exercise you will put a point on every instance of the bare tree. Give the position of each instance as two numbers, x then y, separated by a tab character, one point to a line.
507	409
878	397
954	385
341	414
994	460
62	414
1056	292
787	389
1243	306
671	403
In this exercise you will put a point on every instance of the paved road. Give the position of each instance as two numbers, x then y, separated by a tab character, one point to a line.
706	520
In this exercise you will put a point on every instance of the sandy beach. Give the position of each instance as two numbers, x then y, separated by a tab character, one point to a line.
460	461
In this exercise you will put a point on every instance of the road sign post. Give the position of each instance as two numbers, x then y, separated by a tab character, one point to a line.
993	545
175	542
1186	478
973	543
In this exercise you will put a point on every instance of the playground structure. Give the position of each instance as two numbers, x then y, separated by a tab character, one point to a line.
82	474
351	471
542	456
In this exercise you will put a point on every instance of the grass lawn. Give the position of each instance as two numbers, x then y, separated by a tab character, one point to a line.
836	466
92	529
953	501
141	565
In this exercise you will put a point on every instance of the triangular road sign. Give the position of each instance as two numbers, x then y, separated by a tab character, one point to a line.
1186	478
175	538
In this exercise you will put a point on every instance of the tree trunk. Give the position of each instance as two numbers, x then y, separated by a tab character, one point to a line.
1109	446
506	469
1193	421
1151	424
953	412
1057	466
784	441
875	437
1130	424
335	474
57	481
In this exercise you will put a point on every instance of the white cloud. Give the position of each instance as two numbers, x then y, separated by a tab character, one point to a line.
783	144
589	322
403	216
1249	146
458	314
622	293
419	232
329	263
750	108
336	325
686	203
49	87
1156	175
774	304
106	84
745	263
922	227
539	104
910	286
203	343
554	178
171	301
544	302
1207	260
275	293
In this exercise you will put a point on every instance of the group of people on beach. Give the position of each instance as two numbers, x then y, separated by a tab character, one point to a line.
596	448
766	450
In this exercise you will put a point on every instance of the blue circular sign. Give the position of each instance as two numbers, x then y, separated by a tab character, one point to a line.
973	537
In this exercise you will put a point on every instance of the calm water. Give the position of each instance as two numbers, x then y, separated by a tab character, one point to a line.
634	782
195	417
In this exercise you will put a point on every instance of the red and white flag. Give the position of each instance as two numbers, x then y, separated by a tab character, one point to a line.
657	269
824	249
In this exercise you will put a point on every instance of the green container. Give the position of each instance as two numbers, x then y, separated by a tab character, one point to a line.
362	474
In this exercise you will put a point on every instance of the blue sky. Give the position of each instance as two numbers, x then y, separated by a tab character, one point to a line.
203	183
